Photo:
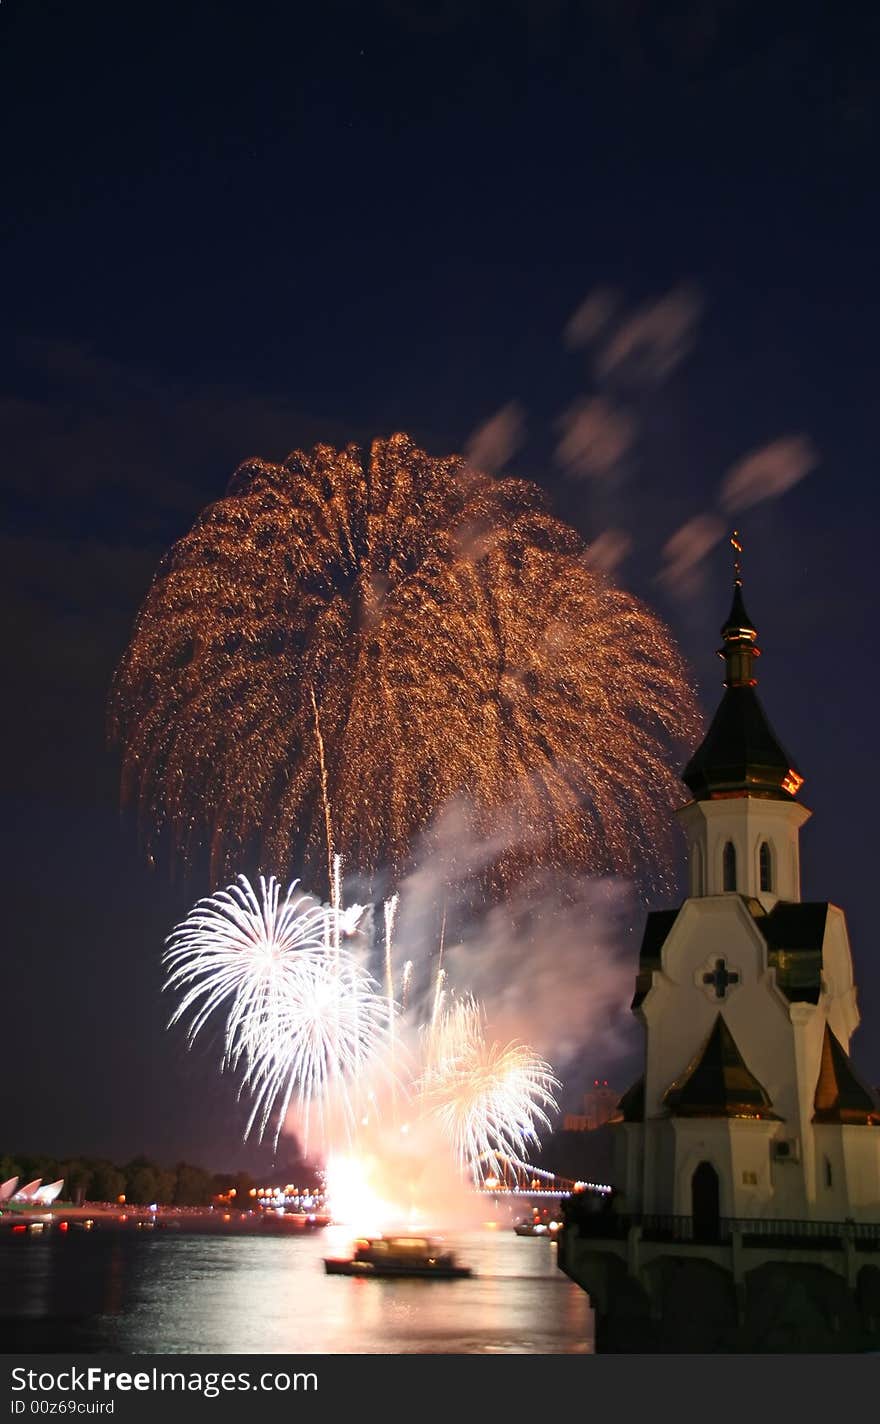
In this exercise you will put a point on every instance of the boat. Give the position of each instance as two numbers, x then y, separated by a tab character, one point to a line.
537	1228
387	1256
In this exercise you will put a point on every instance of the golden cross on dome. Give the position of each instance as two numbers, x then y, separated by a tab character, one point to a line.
737	561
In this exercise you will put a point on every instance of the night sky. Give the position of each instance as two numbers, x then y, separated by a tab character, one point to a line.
232	230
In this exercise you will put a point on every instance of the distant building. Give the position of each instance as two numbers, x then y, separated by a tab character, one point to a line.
600	1104
32	1194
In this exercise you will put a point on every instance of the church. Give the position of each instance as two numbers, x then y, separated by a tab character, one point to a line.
750	1144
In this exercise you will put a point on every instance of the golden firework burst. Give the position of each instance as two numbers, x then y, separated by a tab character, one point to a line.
380	635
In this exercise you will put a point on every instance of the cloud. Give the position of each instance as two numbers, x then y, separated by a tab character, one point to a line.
768	472
495	441
591	318
595	438
607	551
684	553
647	346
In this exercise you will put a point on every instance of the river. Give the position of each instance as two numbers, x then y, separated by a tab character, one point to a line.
167	1292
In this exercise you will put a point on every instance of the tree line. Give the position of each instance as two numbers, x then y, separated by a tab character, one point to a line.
140	1181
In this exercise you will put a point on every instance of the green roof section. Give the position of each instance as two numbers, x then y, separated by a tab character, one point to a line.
718	1083
795	932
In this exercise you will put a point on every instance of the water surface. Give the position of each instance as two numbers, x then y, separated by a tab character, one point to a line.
167	1293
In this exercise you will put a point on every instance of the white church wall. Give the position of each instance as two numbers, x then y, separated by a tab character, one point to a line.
680	1009
861	1154
808	1027
628	1163
829	1188
701	1140
752	1185
745	822
659	1167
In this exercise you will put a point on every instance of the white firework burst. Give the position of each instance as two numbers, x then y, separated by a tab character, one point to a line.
490	1098
302	1015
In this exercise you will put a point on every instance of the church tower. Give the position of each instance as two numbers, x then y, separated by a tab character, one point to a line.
744	822
747	1155
749	1105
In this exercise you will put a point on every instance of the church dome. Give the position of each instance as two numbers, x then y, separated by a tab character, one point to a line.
740	754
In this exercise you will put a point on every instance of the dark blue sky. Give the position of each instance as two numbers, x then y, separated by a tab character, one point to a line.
231	230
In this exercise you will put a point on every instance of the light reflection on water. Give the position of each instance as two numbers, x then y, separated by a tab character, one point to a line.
156	1294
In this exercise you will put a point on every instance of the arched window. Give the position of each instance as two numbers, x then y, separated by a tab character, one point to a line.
729	865
765	863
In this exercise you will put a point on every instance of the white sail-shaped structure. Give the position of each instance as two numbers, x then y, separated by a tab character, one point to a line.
7	1188
28	1192
46	1195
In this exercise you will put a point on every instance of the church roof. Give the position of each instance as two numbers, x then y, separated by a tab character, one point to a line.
740	754
631	1107
737	621
717	1082
841	1095
657	927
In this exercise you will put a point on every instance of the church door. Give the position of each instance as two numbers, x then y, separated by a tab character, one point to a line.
705	1202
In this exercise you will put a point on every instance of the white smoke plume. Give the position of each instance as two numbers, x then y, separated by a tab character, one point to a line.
553	965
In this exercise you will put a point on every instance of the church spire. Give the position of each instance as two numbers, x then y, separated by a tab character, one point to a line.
739	632
740	754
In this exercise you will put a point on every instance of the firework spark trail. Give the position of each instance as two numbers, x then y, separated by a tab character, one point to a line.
390	911
439	995
332	866
405	983
457	644
390	908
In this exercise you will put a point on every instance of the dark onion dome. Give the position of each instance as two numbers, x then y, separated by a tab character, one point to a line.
741	754
841	1096
717	1083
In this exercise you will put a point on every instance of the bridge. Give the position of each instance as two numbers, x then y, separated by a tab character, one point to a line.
509	1177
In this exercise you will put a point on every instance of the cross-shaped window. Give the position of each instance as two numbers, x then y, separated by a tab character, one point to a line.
721	977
